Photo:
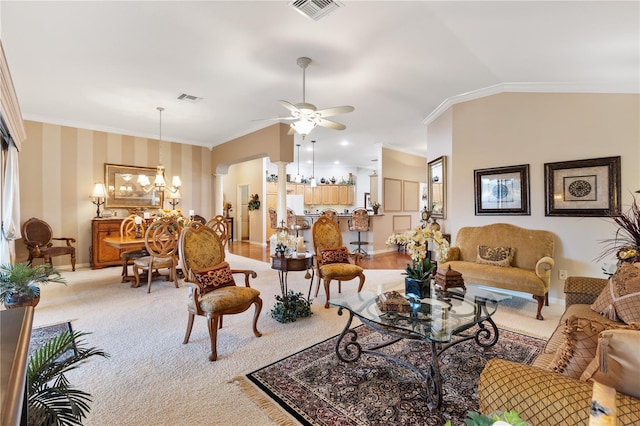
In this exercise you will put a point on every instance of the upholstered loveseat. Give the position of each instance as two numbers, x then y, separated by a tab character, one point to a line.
525	266
550	391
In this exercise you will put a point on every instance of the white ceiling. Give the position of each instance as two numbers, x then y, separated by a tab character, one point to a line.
108	65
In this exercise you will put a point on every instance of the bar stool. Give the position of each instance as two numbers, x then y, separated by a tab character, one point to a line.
359	222
331	214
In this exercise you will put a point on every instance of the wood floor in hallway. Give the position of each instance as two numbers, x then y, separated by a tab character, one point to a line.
390	260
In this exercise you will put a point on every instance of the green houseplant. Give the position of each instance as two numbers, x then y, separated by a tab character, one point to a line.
51	400
20	283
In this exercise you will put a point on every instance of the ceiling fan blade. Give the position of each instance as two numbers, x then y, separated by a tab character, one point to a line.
331	124
328	112
274	119
288	105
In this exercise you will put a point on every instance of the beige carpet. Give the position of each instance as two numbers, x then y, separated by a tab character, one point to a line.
151	378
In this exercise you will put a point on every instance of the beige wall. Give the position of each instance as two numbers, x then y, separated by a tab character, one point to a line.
59	165
396	165
533	128
247	173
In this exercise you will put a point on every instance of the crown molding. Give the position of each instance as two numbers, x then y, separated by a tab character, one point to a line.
526	88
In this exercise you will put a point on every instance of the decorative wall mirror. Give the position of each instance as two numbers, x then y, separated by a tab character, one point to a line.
131	187
436	174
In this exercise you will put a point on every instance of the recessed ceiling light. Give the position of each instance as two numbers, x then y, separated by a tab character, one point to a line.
344	143
336	162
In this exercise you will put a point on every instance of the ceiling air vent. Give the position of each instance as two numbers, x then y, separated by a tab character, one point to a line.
315	9
190	98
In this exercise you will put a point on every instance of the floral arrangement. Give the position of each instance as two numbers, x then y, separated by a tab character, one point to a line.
175	214
254	202
227	206
416	242
375	205
626	243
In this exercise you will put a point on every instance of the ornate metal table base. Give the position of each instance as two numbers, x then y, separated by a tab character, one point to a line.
349	350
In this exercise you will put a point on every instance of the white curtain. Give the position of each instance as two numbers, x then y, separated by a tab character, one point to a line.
10	207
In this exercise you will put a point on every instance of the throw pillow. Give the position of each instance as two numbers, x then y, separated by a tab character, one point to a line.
620	298
578	347
497	256
617	361
216	277
334	255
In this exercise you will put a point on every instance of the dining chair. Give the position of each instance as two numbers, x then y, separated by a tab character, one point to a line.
332	259
220	226
213	291
38	237
128	230
161	242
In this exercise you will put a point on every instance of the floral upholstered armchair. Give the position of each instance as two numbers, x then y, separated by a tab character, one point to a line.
332	259
213	292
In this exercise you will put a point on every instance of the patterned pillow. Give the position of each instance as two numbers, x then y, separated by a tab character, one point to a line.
617	363
578	347
215	277
334	255
497	256
620	298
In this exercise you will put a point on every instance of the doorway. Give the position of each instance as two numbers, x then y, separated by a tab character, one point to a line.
243	212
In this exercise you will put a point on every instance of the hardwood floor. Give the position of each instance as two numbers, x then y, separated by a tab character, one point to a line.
391	260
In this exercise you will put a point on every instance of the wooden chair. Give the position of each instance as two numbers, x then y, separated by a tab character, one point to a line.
128	230
161	242
38	237
332	259
220	225
212	289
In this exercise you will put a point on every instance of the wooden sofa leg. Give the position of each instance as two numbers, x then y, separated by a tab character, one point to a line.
540	300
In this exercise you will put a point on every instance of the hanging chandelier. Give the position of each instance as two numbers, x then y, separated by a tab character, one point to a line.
159	182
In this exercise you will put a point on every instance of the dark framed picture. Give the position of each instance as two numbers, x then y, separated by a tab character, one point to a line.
582	187
367	201
502	190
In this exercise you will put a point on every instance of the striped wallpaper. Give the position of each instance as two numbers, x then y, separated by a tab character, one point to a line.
59	165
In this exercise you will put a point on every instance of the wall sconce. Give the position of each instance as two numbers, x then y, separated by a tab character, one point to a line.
99	196
174	199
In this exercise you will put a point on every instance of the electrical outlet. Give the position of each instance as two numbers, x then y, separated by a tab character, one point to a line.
562	274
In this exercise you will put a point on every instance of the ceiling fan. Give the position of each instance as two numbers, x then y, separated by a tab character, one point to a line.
306	115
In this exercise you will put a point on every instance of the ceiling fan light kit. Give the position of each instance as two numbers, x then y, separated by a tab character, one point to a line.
305	115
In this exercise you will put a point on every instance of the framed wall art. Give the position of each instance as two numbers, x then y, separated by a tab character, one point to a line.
582	187
131	187
502	190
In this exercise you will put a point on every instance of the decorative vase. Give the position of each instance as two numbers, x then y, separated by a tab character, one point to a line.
421	288
375	210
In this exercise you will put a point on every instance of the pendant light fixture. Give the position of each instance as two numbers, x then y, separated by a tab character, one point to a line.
313	164
298	177
159	182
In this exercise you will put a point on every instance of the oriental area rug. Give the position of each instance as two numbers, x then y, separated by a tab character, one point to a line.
313	387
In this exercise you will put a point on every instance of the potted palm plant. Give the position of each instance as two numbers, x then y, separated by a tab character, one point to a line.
52	400
20	283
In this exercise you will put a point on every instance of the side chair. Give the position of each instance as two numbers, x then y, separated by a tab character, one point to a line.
213	292
38	236
161	242
332	259
128	230
220	225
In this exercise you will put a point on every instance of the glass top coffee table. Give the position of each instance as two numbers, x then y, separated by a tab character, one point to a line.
442	320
